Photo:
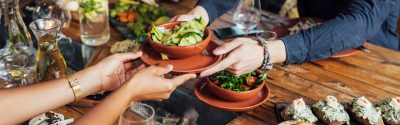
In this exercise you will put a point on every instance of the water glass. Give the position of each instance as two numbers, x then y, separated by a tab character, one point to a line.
93	20
138	114
247	15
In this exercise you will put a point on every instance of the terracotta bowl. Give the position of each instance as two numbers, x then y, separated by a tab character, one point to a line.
234	96
179	52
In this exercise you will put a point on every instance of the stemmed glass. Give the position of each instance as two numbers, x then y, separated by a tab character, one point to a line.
57	9
138	114
247	15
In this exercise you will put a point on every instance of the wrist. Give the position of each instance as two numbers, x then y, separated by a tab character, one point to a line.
131	89
89	84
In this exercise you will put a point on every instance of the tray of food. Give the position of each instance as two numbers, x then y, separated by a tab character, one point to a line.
329	111
132	17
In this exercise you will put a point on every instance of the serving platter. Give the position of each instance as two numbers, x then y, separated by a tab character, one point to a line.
282	30
204	94
194	64
280	106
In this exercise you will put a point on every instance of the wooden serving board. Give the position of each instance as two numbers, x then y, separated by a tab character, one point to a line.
280	106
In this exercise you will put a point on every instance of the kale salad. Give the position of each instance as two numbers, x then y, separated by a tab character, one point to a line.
243	82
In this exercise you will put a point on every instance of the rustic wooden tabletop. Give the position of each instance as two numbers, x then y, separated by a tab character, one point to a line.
358	75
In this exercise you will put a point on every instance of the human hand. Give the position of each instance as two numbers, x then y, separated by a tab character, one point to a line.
245	55
112	71
152	84
196	12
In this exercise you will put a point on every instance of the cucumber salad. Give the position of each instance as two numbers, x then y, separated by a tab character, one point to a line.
185	34
92	8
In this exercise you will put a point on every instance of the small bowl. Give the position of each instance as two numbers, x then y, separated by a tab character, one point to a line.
179	52
234	96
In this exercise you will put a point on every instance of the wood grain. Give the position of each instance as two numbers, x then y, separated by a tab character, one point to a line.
345	78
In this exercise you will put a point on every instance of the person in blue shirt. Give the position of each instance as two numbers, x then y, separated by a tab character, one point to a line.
349	23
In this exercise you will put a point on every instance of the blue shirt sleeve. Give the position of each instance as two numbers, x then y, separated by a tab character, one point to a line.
358	22
215	8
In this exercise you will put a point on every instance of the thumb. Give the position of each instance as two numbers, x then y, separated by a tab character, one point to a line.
227	47
125	57
182	79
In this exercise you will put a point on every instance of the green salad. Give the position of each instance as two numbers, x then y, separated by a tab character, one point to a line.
185	34
244	82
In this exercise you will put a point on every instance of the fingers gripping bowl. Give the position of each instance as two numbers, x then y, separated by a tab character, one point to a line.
180	39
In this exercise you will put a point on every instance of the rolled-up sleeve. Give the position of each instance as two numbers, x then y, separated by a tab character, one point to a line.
358	22
215	8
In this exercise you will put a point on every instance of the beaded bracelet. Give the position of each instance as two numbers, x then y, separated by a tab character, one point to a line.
267	58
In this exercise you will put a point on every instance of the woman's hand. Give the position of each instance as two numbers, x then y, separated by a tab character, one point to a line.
245	55
152	84
112	71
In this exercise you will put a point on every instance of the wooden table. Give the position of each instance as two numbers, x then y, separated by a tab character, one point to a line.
358	75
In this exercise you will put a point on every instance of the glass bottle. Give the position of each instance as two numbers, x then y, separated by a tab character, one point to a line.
50	62
17	59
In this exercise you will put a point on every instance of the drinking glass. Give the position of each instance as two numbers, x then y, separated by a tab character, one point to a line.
138	114
247	15
93	20
57	9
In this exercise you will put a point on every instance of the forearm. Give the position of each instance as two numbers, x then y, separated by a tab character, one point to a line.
109	109
357	23
20	104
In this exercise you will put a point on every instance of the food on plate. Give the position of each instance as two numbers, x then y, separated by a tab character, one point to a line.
331	112
391	111
237	88
299	111
125	46
138	15
292	122
185	34
243	82
365	113
50	118
303	25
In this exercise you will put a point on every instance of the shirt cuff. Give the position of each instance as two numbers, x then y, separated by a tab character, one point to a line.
210	8
296	51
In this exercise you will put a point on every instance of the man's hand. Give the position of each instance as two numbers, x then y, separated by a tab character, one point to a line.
245	55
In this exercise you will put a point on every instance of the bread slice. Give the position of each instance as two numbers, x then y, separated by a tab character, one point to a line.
307	110
292	122
362	120
320	117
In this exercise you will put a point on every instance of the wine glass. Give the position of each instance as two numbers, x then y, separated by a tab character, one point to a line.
138	114
247	15
57	9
